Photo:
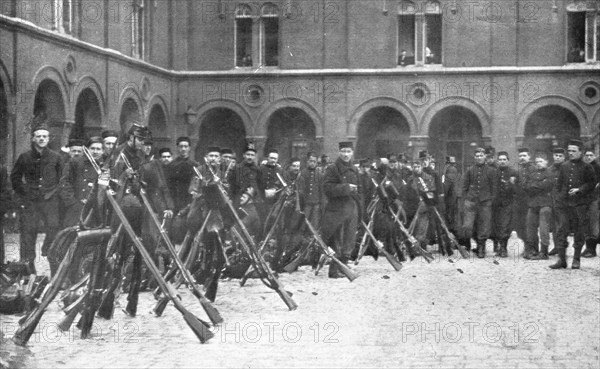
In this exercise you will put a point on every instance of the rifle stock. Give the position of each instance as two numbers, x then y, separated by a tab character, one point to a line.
330	253
71	312
211	311
255	256
390	258
199	327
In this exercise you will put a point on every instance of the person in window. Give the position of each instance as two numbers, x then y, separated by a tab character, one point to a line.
404	59
429	56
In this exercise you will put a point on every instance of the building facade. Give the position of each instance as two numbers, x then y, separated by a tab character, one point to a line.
300	75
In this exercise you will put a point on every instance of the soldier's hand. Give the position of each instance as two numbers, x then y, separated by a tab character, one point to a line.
573	191
353	187
130	172
84	201
168	214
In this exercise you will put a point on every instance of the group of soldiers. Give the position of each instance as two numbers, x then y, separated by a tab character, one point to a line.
344	201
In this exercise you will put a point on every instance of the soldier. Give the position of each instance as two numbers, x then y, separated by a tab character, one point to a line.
310	189
479	189
148	149
538	186
244	188
435	232
208	203
575	184
593	233
502	206
180	174
35	180
558	154
109	141
366	183
165	156
520	205
75	148
426	187
340	219
270	183
78	179
450	180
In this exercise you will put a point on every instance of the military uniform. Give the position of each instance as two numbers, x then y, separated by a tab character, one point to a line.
573	174
479	188
520	204
425	185
502	207
538	186
340	218
76	184
591	237
269	182
310	188
179	176
245	179
35	179
5	206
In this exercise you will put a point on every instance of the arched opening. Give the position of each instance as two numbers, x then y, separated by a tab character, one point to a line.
88	116
4	126
381	131
157	122
292	132
49	101
455	131
550	126
130	114
221	127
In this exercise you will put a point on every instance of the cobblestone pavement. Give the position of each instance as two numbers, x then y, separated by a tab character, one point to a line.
504	313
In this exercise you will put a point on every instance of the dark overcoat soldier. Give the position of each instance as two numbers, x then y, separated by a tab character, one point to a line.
5	206
575	184
559	155
539	186
35	180
344	199
524	167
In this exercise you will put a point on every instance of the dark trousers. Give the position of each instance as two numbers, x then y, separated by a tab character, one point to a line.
338	228
2	252
313	214
502	221
576	215
44	212
478	214
538	218
520	217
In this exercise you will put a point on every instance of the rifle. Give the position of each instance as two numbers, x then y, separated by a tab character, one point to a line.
266	238
293	265
107	303
329	252
71	312
363	243
322	260
199	327
461	249
250	248
413	241
395	263
26	329
211	311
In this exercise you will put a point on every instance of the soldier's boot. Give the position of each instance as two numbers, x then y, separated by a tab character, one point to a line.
561	263
590	248
496	246
542	255
481	249
576	258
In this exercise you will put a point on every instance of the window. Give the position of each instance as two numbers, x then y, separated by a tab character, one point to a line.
243	36
257	36
138	29
63	16
270	36
582	32
419	33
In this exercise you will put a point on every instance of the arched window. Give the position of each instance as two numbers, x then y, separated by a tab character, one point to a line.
269	27
583	27
243	36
